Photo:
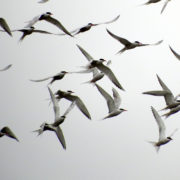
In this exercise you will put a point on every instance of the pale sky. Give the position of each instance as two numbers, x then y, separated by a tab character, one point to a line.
115	148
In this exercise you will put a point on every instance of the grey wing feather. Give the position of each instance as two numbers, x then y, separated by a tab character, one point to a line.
165	4
160	123
55	104
108	98
117	98
175	53
41	31
111	21
106	70
6	68
60	136
120	39
39	80
58	24
8	132
5	26
33	21
69	108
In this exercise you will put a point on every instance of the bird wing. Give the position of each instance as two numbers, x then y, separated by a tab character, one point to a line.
33	21
120	39
6	68
41	31
8	132
57	24
156	92
160	123
175	53
60	136
165	4
55	104
43	1
169	97
69	108
5	26
108	22
39	80
117	98
108	98
106	70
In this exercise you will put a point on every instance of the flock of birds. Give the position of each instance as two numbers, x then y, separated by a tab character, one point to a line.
99	68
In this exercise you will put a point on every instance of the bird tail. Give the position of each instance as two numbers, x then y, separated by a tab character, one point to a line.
155	146
39	131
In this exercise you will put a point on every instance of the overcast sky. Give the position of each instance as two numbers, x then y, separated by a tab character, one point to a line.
115	148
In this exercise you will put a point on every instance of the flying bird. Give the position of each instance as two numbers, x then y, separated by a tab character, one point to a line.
129	45
57	120
175	53
28	31
6	131
163	139
47	17
55	77
5	26
112	103
73	98
90	25
6	68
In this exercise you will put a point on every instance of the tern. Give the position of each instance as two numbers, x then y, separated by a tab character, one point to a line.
78	102
130	45
163	139
47	17
6	68
5	26
55	77
6	131
175	53
112	103
90	25
30	30
57	121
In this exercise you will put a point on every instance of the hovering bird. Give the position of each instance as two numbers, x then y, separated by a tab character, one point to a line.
6	68
90	25
5	26
55	77
130	45
175	53
47	17
28	31
6	131
112	103
78	102
97	75
163	139
106	70
57	121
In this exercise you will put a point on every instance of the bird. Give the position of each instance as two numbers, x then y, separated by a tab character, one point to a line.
5	26
174	108
163	139
97	75
175	53
57	120
6	68
6	131
90	25
30	30
47	17
165	92
73	98
55	77
129	45
112	103
107	71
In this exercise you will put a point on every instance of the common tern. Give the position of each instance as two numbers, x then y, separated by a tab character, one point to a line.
47	17
6	131
5	26
57	120
90	25
30	30
55	77
78	102
163	139
129	45
112	103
